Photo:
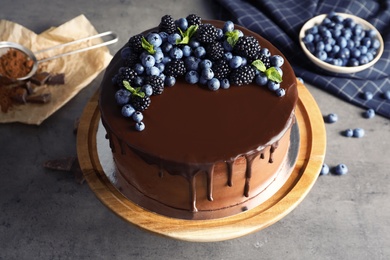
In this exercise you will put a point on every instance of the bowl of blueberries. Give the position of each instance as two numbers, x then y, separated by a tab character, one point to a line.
341	43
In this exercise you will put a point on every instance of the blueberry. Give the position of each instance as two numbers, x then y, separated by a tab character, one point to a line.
367	95
164	36
186	50
225	84
147	89
182	23
138	81
214	84
207	73
166	60
369	113
166	47
154	39
148	61
172	38
138	116
139	69
194	44
340	169
160	66
266	52
127	110
122	97
331	118
176	53
272	85
192	77
192	63
152	71
277	60
228	26
363	60
308	38
125	53
200	52
342	42
220	33
226	46
358	132
280	92
205	64
344	53
348	132
324	169
261	79
235	62
169	81
322	55
140	126
386	95
158	56
228	55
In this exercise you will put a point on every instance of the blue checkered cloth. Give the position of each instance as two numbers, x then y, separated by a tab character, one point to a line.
280	22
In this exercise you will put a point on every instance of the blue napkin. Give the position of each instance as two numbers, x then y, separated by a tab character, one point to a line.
280	22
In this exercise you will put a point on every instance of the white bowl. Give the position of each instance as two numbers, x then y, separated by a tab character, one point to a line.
333	68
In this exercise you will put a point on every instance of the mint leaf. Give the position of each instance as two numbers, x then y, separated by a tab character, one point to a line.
232	37
186	36
133	91
259	65
147	46
273	74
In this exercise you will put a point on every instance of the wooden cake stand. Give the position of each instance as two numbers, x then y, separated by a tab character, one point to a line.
310	158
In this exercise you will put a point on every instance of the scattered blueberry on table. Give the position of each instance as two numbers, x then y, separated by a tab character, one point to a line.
324	169
358	132
369	113
340	169
331	118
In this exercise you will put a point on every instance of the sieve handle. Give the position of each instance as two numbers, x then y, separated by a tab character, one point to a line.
104	43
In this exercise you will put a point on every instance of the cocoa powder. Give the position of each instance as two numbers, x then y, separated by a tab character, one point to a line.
15	64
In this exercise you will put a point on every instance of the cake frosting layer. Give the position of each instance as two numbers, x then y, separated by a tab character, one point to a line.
202	150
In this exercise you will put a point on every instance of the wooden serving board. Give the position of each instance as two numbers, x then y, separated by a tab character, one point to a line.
311	156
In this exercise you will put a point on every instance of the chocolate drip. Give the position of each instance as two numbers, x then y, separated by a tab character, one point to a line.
229	165
248	173
192	187
210	175
272	150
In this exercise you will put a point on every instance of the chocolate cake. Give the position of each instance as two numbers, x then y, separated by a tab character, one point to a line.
203	154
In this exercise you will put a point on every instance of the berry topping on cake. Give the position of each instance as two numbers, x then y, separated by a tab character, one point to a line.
194	19
206	33
167	24
243	75
196	52
157	84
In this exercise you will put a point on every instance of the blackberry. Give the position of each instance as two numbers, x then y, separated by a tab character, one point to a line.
167	24
243	75
206	33
248	47
214	51
140	103
193	19
265	60
135	43
132	59
157	84
125	73
221	69
175	68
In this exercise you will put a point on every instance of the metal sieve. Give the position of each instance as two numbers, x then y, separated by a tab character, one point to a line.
4	46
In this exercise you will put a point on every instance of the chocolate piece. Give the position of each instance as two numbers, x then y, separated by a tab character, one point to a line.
58	79
19	95
29	88
42	98
40	78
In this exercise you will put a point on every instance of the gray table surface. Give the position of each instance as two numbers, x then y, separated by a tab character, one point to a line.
47	215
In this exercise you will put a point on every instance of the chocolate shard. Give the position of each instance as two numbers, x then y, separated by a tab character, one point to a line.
57	79
41	98
29	88
19	95
40	78
63	164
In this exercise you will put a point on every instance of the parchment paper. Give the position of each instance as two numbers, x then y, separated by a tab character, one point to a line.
79	69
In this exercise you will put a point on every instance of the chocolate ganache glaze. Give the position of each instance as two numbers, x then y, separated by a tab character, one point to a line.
193	131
